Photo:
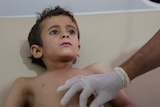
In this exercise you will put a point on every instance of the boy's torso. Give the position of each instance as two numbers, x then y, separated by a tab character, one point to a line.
43	88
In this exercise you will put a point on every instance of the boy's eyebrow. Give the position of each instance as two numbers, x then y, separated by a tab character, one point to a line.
54	26
57	26
71	26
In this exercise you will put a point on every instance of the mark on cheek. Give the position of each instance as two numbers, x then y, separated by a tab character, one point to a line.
43	85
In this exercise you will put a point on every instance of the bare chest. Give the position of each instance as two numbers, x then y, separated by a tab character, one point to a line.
44	90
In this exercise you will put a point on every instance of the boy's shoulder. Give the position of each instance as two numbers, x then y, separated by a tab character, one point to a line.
18	92
97	68
21	80
22	83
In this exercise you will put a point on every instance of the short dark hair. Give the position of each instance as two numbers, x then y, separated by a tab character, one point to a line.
34	36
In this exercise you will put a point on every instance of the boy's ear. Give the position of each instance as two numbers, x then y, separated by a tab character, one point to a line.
36	51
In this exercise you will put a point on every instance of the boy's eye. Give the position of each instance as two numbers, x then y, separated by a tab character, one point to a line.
53	32
71	32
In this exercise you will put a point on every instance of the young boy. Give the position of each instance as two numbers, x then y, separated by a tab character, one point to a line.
54	45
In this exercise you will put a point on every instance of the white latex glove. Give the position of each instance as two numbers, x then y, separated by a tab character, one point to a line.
106	86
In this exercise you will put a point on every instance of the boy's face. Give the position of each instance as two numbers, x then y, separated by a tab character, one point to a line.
60	38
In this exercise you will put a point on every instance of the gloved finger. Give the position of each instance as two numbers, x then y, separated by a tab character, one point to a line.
99	100
70	93
85	94
69	83
75	78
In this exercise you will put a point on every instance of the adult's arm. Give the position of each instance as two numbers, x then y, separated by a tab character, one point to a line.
145	59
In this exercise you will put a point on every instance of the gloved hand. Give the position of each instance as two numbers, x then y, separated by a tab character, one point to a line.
106	86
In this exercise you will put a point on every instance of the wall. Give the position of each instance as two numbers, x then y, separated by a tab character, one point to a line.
106	38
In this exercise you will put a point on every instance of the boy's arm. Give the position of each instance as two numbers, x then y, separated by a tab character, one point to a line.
17	94
121	100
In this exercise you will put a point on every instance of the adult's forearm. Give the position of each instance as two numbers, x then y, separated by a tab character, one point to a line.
145	59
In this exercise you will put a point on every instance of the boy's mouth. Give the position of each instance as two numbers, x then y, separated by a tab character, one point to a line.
66	44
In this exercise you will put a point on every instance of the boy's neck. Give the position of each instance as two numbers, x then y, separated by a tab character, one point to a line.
59	66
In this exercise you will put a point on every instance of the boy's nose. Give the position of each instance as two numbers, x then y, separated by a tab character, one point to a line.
65	36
